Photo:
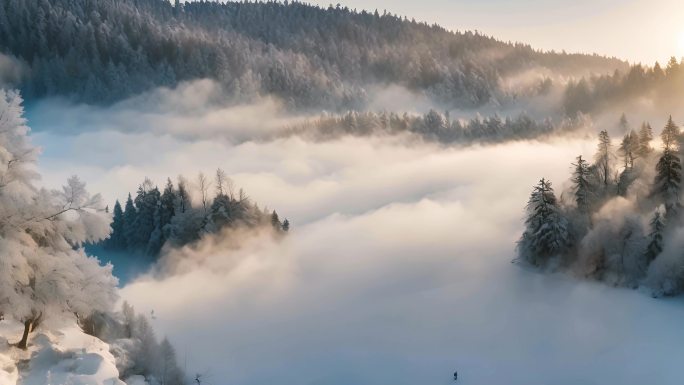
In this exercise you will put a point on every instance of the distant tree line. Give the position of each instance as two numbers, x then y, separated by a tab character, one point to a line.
155	218
101	51
662	85
434	126
622	218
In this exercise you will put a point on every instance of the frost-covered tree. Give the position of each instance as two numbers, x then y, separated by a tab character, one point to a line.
582	186
670	135
629	149
129	232
116	240
645	139
183	195
275	221
655	244
168	371
666	186
167	205
603	159
623	123
546	232
44	271
203	186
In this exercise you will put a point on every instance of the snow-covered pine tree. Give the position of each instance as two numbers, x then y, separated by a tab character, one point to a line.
546	232
130	213
116	240
275	221
44	271
645	138
604	159
183	195
655	244
168	371
629	149
666	185
582	186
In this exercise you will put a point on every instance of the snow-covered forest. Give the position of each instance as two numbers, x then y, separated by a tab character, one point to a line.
311	57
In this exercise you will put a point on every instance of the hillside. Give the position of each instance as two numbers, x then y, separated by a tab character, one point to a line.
101	51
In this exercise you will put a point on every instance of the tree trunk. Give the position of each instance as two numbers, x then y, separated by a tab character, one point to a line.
24	338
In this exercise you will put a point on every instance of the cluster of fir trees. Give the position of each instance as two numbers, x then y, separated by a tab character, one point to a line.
616	220
434	126
107	50
154	218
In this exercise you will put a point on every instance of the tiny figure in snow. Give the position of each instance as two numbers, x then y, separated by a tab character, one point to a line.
455	376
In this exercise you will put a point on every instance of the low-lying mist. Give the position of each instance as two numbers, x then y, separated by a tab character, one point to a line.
397	268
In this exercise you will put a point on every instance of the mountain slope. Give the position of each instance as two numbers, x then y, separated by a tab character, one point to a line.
106	50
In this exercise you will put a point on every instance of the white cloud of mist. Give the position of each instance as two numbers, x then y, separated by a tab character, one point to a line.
11	70
401	288
191	111
397	268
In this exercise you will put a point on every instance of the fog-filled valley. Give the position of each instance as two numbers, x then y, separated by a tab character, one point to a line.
272	191
342	297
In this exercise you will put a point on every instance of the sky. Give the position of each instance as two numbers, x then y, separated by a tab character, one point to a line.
636	30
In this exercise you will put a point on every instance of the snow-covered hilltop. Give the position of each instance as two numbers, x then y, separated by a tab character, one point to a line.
64	356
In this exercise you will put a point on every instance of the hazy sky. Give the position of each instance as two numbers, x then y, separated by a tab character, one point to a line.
636	30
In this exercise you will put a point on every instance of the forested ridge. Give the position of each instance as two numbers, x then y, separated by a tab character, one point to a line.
101	51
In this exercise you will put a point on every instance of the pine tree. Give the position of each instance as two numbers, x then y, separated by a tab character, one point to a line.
624	123
129	233
655	245
146	201
603	159
167	204
275	221
183	195
629	149
168	371
286	225
116	240
546	229
670	135
581	185
645	138
666	186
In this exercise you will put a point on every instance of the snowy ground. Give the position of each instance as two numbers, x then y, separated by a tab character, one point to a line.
63	357
397	270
